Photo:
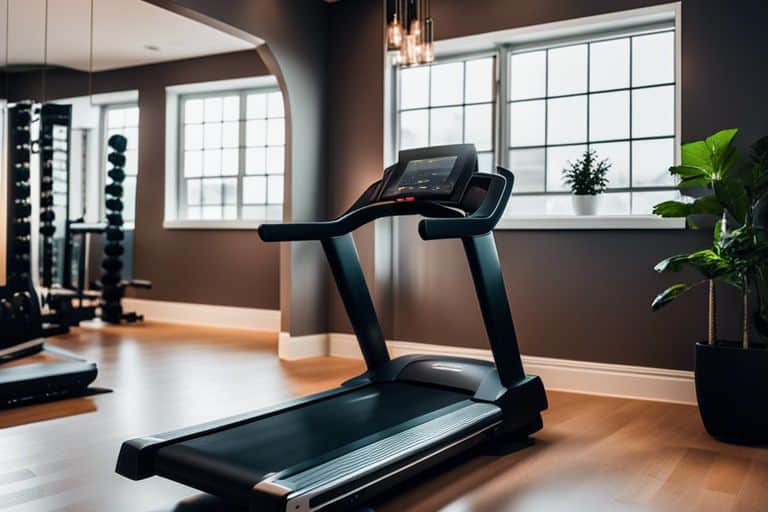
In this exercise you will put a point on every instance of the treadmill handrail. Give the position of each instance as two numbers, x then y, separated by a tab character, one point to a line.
479	222
444	222
350	220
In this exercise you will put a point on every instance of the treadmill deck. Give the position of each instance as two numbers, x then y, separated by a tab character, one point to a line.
317	434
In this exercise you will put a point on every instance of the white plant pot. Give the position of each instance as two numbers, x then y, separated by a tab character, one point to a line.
586	204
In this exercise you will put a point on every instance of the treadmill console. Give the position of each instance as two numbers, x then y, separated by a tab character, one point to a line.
435	173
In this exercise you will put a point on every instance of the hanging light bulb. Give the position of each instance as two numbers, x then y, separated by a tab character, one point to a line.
412	50
412	33
428	46
416	29
394	34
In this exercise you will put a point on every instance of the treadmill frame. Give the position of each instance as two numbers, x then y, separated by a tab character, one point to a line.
518	397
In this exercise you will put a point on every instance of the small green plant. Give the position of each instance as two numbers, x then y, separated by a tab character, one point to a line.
587	175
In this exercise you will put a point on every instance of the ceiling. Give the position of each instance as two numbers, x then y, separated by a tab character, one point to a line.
125	33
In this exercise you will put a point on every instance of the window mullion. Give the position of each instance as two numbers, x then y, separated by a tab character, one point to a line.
181	183
502	123
546	116
241	129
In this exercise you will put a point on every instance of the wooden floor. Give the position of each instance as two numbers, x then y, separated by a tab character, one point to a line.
594	453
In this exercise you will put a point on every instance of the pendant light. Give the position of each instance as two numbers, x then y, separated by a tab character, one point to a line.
410	33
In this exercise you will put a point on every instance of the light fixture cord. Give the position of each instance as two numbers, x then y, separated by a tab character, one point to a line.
90	55
45	52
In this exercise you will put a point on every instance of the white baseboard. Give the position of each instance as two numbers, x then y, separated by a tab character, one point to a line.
659	384
205	314
292	348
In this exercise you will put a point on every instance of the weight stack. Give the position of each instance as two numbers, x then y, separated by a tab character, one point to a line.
20	215
112	265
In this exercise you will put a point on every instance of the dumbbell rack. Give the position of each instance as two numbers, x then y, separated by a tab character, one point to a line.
54	184
19	269
112	284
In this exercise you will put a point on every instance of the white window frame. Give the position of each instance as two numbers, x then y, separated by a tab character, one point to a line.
174	179
571	32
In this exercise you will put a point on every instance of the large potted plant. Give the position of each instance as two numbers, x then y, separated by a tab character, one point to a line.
587	179
731	376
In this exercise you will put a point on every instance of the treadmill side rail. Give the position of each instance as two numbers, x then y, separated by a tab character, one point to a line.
136	458
347	476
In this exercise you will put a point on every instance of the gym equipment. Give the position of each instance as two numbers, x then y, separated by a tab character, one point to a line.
112	285
22	328
66	306
68	303
343	446
72	303
19	221
55	128
21	322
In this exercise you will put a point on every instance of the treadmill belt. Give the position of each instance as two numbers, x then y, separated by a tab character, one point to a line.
231	461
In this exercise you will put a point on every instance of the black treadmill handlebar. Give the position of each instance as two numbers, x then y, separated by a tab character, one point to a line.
482	220
351	220
451	222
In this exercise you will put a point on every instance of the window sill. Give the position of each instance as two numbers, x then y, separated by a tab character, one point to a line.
216	224
597	222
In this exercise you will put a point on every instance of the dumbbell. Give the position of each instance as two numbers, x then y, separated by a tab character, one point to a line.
22	190
115	219
114	250
21	229
22	174
22	210
116	159
47	216
110	280
112	264
114	189
116	174
118	143
115	205
115	234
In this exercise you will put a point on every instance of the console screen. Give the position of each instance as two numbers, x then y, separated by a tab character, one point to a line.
427	175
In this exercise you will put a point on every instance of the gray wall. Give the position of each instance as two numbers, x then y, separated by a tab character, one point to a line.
581	295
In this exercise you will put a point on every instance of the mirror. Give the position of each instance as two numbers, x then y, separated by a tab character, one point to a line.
137	116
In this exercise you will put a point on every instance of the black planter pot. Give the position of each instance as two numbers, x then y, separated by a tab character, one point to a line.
731	386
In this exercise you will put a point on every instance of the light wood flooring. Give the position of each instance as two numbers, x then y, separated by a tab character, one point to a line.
594	454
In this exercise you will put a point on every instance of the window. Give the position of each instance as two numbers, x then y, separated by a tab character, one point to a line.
614	94
123	119
231	155
449	103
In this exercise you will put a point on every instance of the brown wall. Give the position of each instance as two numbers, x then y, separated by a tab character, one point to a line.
225	267
581	295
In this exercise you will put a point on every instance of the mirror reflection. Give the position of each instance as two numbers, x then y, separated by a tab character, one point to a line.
105	103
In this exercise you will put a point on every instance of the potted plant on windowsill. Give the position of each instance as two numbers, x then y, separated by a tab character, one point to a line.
731	376
587	179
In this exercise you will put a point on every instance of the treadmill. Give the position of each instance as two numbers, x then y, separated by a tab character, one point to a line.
341	447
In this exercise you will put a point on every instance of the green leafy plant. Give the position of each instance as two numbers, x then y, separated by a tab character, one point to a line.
587	175
739	253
